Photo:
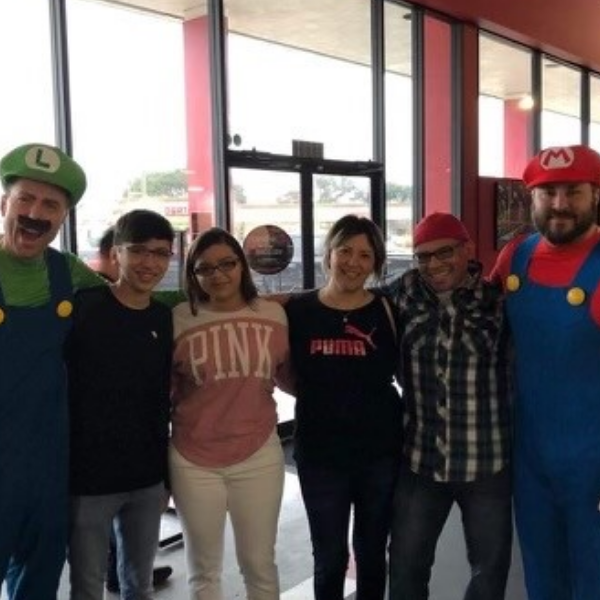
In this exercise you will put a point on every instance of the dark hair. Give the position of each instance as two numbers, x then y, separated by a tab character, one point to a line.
212	237
106	241
349	226
140	225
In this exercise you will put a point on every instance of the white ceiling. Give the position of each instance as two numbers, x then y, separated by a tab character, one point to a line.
337	28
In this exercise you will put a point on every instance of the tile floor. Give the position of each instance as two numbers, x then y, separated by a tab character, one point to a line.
295	561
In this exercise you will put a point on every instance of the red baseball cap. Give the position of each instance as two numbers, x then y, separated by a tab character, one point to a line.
439	226
567	164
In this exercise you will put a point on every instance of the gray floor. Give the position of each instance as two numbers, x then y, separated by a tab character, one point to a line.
295	562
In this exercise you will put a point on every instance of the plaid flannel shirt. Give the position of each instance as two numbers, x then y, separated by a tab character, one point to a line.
454	373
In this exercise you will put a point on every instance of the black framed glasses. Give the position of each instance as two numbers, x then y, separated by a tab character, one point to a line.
140	251
442	254
225	266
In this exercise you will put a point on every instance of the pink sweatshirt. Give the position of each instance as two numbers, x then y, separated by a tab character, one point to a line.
224	368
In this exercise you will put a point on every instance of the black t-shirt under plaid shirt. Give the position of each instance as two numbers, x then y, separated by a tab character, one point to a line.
455	378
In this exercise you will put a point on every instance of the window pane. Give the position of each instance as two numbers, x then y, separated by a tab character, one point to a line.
399	137
505	107
561	104
595	112
334	197
298	74
261	198
128	116
26	106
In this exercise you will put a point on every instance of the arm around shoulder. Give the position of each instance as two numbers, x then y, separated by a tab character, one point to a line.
83	276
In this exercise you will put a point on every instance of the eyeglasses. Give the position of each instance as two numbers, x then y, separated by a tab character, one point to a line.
140	251
225	266
442	254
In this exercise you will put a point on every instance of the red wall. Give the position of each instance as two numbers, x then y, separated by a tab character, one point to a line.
569	29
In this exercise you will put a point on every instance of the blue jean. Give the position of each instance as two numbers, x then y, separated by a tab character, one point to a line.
330	493
136	517
421	508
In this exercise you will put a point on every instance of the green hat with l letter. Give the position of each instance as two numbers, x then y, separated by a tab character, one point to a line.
47	164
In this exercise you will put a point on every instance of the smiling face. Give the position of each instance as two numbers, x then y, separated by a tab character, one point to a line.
142	266
444	264
563	213
33	214
219	274
351	263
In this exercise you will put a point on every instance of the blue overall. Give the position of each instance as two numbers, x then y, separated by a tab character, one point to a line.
33	441
557	432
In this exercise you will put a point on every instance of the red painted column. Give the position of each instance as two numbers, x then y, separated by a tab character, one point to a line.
201	197
469	132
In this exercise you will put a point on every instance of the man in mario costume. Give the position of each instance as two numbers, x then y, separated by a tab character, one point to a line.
41	183
552	281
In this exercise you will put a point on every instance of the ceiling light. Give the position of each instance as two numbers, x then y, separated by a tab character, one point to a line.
526	102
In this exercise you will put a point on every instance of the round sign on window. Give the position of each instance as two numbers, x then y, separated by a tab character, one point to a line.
269	249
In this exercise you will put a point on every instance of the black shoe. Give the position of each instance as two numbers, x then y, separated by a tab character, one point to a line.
160	575
113	587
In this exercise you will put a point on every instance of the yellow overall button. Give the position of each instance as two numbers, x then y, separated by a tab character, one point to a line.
513	283
575	296
2	316
64	309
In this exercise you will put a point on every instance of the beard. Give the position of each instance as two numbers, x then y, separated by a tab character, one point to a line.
581	224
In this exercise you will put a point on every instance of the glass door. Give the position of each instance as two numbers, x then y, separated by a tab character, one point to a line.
302	197
333	197
274	198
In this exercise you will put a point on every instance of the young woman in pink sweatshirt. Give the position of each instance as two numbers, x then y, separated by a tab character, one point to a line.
225	455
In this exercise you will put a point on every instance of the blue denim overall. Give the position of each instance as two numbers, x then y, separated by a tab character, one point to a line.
33	440
557	430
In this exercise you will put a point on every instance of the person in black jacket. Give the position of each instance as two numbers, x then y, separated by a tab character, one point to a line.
119	358
108	267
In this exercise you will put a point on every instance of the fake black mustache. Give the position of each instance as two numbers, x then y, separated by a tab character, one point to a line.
39	225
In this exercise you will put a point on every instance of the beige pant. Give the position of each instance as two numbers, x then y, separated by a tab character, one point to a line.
251	492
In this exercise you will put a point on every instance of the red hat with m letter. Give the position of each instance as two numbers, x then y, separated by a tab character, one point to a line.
439	226
567	164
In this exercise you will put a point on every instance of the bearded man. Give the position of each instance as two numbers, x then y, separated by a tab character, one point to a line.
552	281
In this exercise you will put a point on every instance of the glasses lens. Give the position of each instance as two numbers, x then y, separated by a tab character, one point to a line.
139	250
135	250
423	258
205	270
227	265
443	253
209	270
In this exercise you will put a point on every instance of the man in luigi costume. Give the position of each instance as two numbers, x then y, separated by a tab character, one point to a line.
40	185
552	283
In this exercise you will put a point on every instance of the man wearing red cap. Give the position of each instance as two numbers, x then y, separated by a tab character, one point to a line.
454	374
551	280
